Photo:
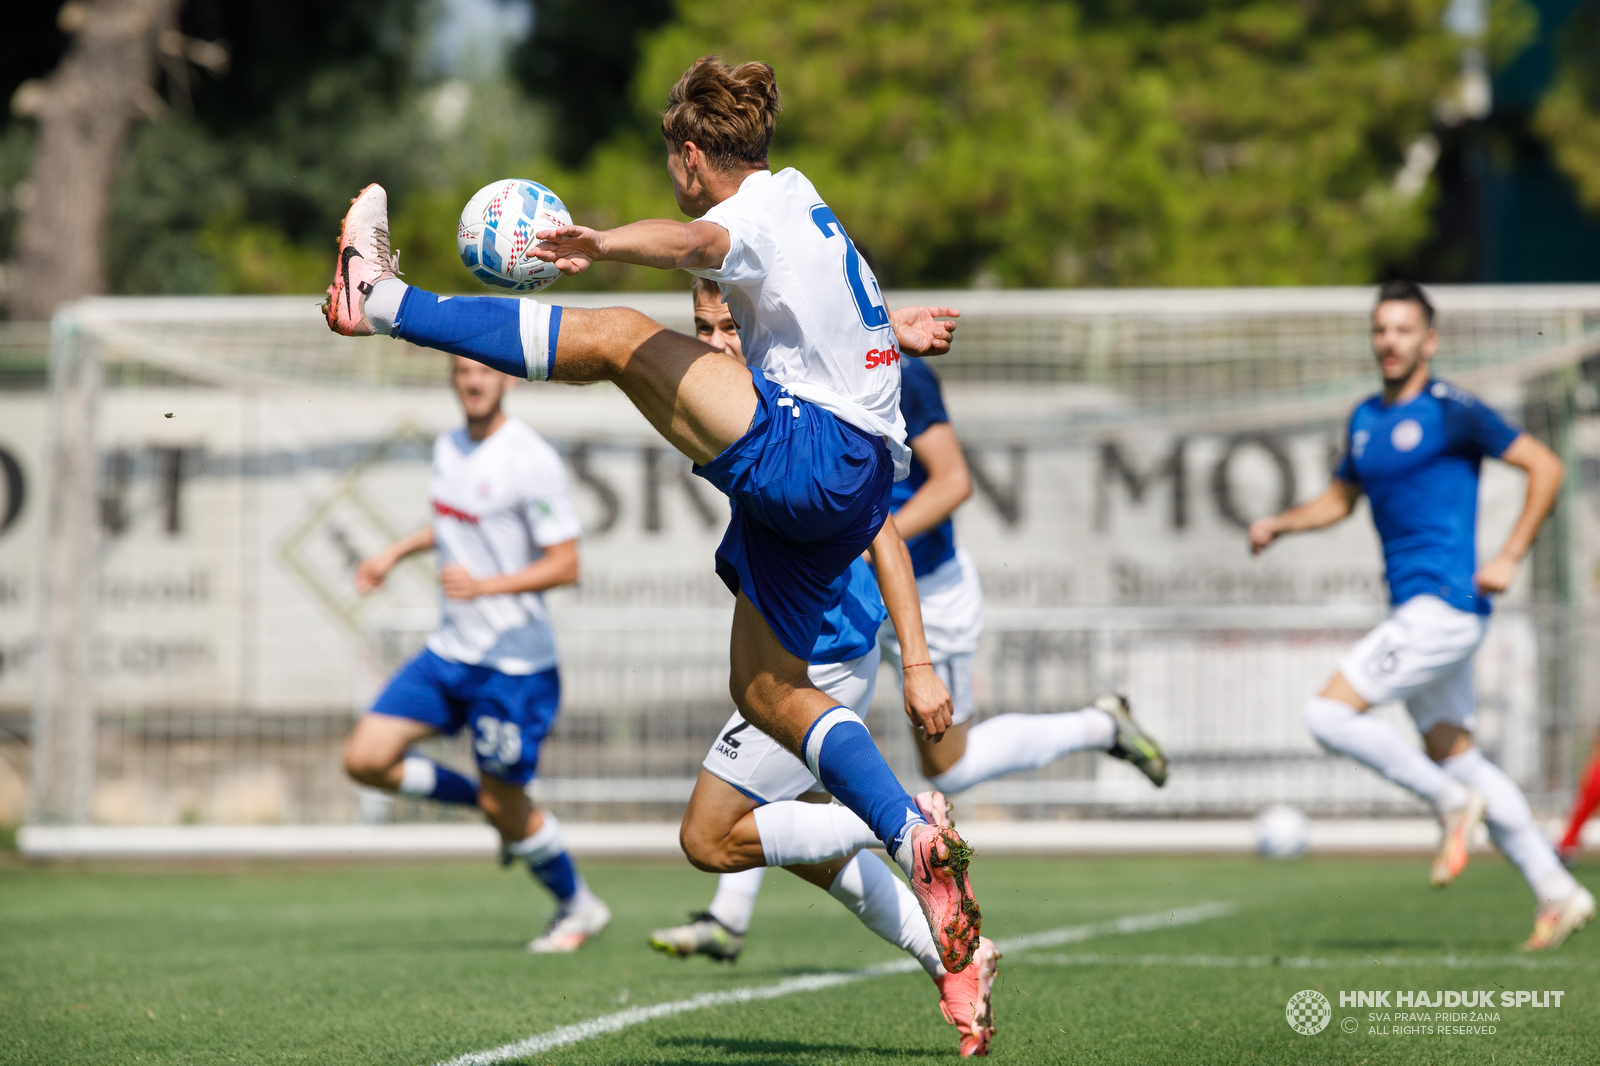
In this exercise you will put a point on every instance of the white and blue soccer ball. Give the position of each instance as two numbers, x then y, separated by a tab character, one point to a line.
1281	832
495	234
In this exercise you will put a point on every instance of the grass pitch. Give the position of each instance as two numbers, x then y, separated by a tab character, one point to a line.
413	965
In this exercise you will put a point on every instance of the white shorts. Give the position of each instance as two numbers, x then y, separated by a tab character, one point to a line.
952	619
763	769
1422	654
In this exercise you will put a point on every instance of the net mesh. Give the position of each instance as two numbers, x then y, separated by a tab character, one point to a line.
283	498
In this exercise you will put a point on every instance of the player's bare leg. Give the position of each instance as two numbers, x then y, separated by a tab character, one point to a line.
699	399
378	754
531	835
376	749
774	693
720	833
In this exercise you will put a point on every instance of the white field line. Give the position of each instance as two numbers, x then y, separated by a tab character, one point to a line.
611	1023
1300	962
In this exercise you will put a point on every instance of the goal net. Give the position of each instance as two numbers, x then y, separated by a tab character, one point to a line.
180	640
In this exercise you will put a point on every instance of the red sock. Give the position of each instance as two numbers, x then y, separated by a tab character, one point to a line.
1583	804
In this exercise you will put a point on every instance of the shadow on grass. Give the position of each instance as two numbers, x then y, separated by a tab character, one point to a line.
766	1051
726	1051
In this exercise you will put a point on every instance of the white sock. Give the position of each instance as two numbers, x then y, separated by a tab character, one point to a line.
547	844
382	305
418	776
1511	825
735	901
798	834
1009	742
886	906
533	319
1376	744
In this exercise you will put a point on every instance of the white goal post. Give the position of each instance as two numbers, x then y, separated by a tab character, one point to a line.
203	474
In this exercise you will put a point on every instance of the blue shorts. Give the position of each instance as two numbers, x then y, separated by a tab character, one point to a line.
809	494
509	713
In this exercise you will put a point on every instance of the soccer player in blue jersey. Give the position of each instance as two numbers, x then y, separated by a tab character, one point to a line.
952	618
805	436
504	529
1415	450
755	805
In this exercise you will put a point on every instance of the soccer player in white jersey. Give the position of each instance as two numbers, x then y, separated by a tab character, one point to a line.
952	618
805	437
742	810
1415	450
504	530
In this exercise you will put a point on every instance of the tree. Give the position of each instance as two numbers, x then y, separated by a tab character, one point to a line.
581	59
1569	116
83	111
1101	143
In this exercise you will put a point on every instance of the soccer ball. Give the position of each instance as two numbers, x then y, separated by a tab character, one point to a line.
1281	832
495	234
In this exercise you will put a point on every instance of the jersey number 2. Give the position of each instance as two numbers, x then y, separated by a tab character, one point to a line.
873	314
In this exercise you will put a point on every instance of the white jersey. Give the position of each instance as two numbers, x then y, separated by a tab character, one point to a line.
497	504
808	307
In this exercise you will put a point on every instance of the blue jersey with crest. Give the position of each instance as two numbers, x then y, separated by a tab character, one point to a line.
854	615
922	404
1418	464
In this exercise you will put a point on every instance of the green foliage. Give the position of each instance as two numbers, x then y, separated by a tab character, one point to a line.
1057	144
1569	115
259	213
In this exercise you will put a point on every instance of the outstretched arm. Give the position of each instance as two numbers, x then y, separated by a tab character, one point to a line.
927	700
655	242
374	568
558	566
1545	472
1335	504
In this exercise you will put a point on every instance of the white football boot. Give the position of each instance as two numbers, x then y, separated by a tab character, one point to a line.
1557	921
568	932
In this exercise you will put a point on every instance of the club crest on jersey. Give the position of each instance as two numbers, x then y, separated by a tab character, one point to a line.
882	357
1406	436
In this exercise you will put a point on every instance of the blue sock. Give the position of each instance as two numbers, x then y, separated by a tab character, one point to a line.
485	328
545	852
840	751
558	875
423	778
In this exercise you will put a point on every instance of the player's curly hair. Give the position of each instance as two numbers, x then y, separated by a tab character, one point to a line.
729	112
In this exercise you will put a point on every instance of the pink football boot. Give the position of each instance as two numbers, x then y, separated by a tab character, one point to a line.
364	260
938	877
964	999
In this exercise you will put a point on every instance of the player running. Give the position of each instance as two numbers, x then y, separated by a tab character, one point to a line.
504	529
952	617
1415	450
748	778
805	438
